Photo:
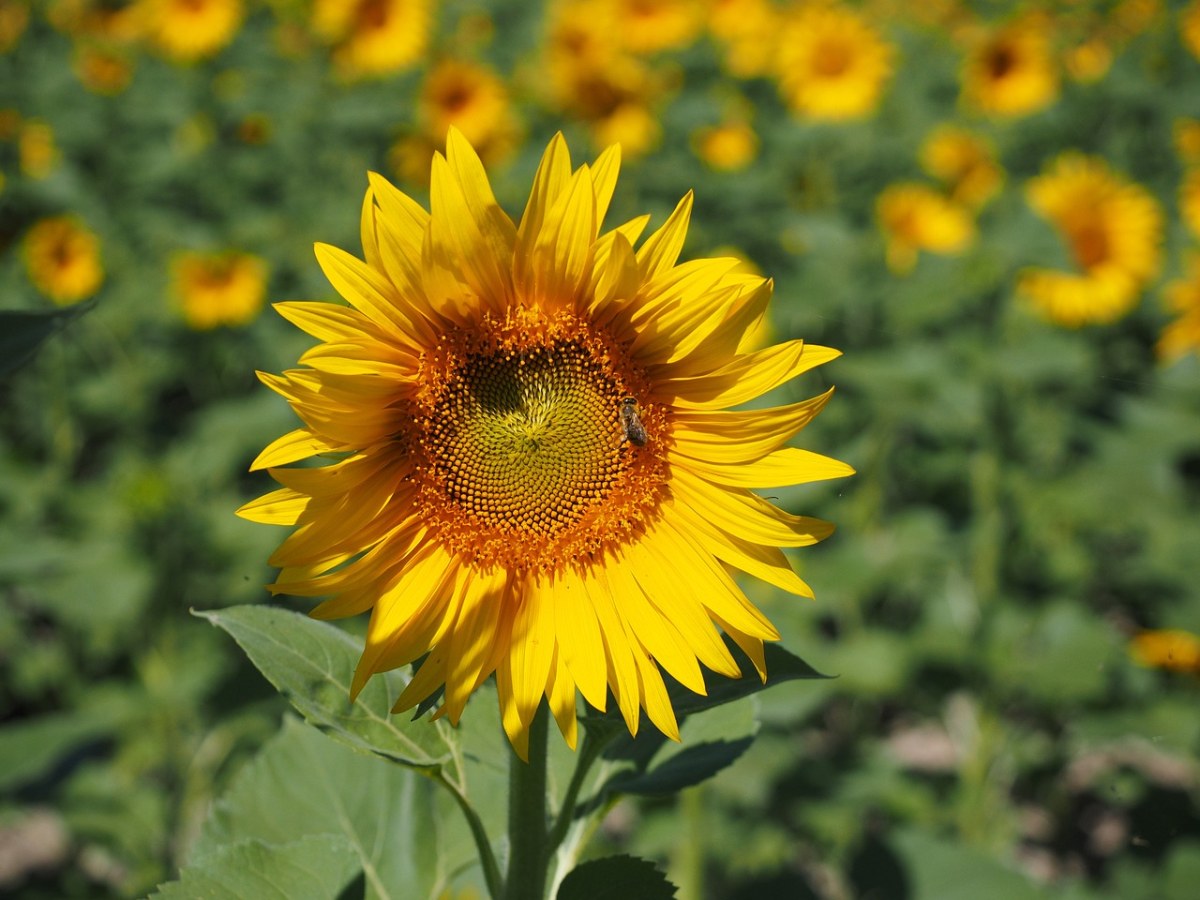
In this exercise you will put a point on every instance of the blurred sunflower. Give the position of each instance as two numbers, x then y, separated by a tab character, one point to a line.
1186	134
215	289
374	37
1189	200
1189	27
37	150
14	17
964	162
1171	649
110	21
495	504
102	70
1089	60
189	30
62	258
915	217
727	147
1011	71
1182	335
747	30
464	95
831	63
1112	228
650	26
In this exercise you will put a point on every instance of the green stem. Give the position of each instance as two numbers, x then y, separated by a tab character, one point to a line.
589	752
528	856
491	871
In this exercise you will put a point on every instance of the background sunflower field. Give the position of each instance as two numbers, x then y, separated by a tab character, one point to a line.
992	208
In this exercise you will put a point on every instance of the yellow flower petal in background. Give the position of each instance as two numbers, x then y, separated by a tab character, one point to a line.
1182	335
914	217
62	258
190	30
373	37
1172	649
964	162
1113	231
832	63
1011	71
490	508
219	289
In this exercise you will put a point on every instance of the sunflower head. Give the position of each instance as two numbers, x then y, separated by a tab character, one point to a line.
1011	71
537	476
373	37
215	289
190	30
63	259
915	217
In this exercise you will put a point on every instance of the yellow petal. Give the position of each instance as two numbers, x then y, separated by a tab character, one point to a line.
292	447
662	248
746	515
788	466
281	507
580	645
748	376
532	647
705	434
561	692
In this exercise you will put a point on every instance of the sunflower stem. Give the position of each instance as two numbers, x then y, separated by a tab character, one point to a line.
528	856
491	871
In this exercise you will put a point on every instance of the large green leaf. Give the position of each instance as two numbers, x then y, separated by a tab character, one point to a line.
616	878
409	842
317	867
312	663
22	332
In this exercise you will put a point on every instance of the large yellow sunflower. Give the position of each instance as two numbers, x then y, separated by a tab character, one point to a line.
537	474
1112	228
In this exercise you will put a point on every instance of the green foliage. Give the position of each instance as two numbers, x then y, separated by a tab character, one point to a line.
1025	501
614	878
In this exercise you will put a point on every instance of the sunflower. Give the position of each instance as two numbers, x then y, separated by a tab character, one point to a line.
915	217
1183	298
832	63
1189	27
1112	228
1185	134
37	150
1011	71
727	147
374	37
102	70
62	258
1171	649
747	31
1189	200
650	26
494	502
190	30
964	162
217	289
14	17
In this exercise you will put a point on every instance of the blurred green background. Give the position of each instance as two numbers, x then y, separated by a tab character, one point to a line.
1006	720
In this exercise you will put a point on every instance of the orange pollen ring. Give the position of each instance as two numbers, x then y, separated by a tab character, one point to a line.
521	458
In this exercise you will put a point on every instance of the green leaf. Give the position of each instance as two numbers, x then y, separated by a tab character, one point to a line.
31	747
408	843
312	663
22	332
939	868
616	878
313	868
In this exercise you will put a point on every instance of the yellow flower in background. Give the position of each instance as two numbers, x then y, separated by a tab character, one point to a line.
649	26
1011	71
1186	133
14	17
1189	27
374	37
1112	228
189	30
467	96
832	64
747	30
494	504
102	70
1189	200
62	258
915	217
1089	61
101	20
215	289
728	147
1183	299
1171	649
37	149
964	162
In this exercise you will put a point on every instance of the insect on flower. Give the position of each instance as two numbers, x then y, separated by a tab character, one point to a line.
631	424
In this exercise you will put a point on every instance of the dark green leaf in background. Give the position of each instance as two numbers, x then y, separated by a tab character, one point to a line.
616	878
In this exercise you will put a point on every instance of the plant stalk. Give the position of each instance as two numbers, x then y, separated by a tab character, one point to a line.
528	856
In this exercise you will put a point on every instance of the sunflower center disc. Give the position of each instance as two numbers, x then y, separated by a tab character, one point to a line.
524	461
529	440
